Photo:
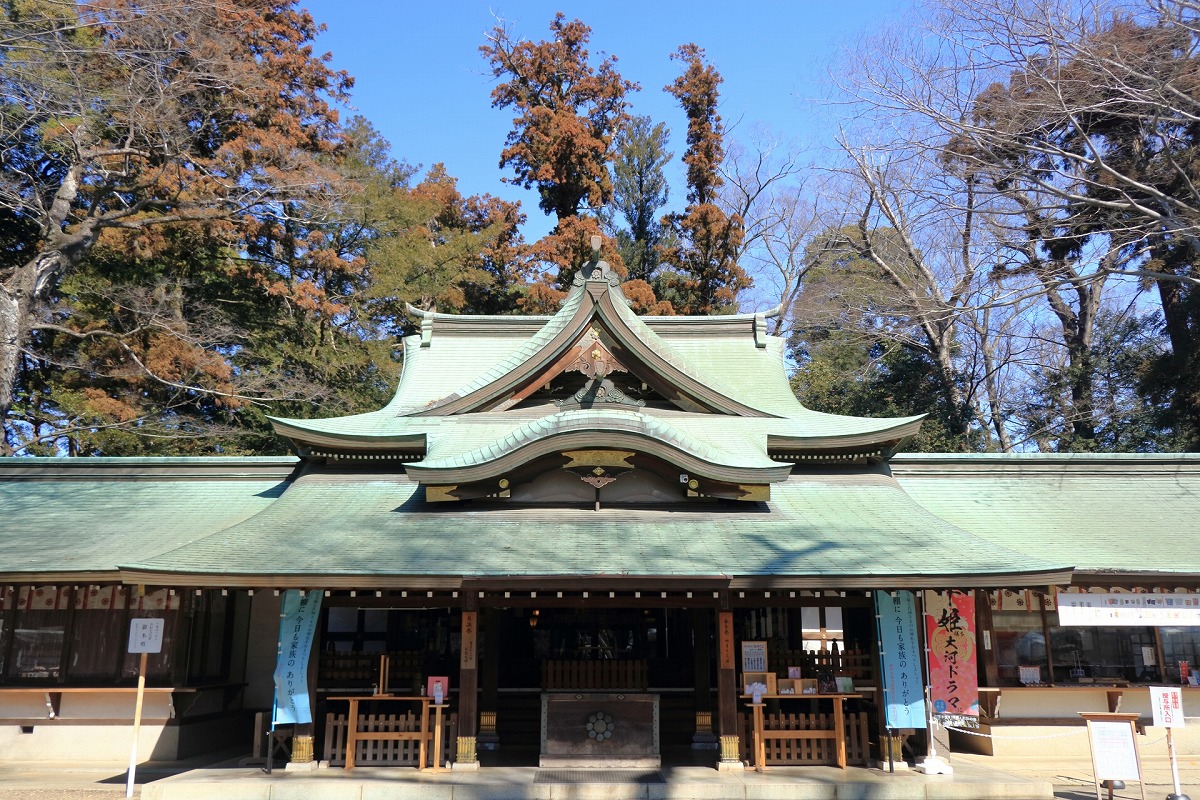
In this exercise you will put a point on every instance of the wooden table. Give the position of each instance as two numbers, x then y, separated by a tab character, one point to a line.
422	736
838	734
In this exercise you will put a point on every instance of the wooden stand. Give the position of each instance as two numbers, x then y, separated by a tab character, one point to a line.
1113	742
761	735
422	736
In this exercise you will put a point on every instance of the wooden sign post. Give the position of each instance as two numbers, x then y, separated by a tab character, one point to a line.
1114	749
145	637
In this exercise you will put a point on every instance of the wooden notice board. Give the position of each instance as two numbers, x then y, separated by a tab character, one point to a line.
1114	749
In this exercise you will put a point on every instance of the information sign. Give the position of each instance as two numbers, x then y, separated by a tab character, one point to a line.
1167	703
1114	751
145	635
754	656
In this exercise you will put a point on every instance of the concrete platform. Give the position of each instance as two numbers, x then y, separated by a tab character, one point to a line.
975	778
970	782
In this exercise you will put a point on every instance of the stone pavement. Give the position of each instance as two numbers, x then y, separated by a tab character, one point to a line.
975	778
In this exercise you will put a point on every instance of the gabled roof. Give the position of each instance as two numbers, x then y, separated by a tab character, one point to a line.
464	394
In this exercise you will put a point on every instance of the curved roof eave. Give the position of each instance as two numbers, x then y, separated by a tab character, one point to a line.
321	433
610	429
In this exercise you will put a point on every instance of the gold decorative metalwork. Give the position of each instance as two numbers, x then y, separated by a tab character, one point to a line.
302	749
440	494
466	750
598	458
730	749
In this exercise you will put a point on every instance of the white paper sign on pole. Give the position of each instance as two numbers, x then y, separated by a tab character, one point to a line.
1167	704
145	635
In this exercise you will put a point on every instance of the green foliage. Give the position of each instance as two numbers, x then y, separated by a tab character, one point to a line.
703	276
639	192
840	372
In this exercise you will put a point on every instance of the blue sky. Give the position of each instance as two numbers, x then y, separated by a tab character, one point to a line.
421	80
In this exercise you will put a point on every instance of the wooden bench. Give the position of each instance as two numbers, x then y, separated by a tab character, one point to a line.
179	699
52	696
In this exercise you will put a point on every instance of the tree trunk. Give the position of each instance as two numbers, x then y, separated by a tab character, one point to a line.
18	297
14	329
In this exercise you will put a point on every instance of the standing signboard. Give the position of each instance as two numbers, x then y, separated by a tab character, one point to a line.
903	695
145	637
950	637
1167	705
1114	750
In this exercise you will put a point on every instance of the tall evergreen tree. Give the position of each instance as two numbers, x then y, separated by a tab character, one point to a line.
707	277
118	118
639	193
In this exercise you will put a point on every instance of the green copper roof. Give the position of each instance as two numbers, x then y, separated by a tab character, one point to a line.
368	530
622	428
66	516
1103	513
460	373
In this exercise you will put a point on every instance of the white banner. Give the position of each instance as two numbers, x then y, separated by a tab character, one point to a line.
1128	608
297	624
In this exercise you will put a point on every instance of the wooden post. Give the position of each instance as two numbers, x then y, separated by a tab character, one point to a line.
137	723
984	630
485	737
468	682
727	693
702	737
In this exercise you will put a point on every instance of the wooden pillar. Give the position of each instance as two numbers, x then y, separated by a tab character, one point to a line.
727	694
468	684
703	738
985	638
486	738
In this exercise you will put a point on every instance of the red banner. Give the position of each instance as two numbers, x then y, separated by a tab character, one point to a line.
950	632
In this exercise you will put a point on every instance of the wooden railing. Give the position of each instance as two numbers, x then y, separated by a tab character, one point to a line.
807	751
390	752
603	675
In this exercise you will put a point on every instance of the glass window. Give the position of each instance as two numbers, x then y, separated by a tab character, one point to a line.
39	626
1103	654
1019	643
1180	644
37	645
206	659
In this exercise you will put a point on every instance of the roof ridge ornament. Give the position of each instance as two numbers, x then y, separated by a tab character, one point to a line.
597	270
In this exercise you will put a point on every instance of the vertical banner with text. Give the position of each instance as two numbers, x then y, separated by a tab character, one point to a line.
297	626
950	635
903	694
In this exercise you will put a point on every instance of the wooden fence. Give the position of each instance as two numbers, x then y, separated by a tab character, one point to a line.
391	753
807	751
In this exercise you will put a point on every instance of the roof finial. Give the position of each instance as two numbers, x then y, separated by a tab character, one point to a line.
596	248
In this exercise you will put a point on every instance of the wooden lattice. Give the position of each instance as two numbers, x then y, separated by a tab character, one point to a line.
392	753
858	664
819	749
601	675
